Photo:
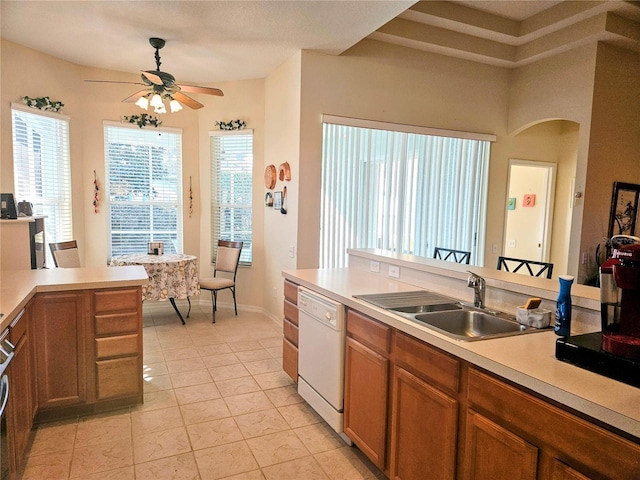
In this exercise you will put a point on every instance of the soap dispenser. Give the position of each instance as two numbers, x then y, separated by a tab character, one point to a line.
563	307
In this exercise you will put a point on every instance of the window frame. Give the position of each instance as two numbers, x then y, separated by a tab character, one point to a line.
215	200
179	203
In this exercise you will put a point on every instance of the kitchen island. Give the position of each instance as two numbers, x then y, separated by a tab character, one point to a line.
509	380
78	345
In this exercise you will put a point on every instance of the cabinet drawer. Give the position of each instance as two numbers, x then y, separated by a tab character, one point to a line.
291	292
116	323
368	331
291	312
116	346
117	300
569	437
436	367
119	377
290	332
18	328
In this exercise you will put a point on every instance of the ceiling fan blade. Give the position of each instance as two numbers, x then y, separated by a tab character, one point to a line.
110	81
205	90
188	101
152	77
133	98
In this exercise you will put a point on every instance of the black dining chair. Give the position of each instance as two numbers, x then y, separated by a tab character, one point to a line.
535	269
458	256
224	272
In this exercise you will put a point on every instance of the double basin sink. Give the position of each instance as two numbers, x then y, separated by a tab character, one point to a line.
448	316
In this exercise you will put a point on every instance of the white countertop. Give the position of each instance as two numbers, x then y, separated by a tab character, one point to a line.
18	286
527	360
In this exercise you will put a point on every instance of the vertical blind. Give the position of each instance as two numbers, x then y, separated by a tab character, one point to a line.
231	190
143	188
403	192
42	169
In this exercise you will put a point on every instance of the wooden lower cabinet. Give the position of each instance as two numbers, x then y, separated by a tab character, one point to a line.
61	352
290	331
493	452
419	413
424	424
365	400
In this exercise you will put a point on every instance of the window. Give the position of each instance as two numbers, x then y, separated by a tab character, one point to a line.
231	190
143	188
42	169
405	191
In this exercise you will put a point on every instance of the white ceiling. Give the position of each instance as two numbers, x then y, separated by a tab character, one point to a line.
207	41
210	41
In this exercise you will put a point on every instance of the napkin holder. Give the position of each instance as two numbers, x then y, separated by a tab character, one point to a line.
536	317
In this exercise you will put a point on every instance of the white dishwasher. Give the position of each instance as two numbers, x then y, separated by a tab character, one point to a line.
321	339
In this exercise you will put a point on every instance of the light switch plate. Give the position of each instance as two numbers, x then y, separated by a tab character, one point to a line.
394	271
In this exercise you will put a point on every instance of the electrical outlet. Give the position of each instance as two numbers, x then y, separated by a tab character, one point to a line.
511	243
394	271
374	266
584	258
494	248
292	251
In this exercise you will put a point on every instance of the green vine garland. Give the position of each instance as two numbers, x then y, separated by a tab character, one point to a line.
232	125
143	120
43	103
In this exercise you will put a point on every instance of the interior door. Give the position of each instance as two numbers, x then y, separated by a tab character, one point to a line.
529	211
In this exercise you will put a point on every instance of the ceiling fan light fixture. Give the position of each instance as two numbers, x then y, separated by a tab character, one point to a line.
156	101
160	109
175	105
143	103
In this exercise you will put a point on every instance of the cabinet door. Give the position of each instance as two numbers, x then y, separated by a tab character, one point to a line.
365	400
60	349
492	452
423	429
562	471
20	414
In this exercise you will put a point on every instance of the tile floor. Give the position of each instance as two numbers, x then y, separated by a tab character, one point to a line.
216	405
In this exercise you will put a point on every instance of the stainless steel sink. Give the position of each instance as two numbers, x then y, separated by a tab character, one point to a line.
471	324
438	307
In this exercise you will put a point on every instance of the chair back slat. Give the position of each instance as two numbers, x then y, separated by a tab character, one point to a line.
458	256
65	254
535	268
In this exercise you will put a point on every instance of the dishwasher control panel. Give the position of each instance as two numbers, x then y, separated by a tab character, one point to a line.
321	308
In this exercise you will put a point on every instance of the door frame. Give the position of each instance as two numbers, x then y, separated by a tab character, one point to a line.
547	223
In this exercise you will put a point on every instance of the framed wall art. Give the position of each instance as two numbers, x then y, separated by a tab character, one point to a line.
624	209
277	200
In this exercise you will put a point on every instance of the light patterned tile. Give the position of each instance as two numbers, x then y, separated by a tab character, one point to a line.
319	437
248	402
178	467
214	433
306	468
157	400
299	415
237	386
197	393
252	475
204	411
225	460
282	396
263	366
245	345
214	349
101	458
273	380
219	360
161	444
123	473
185	365
156	383
54	437
271	341
154	369
254	355
261	423
103	428
227	372
149	421
187	379
343	463
180	354
277	448
50	465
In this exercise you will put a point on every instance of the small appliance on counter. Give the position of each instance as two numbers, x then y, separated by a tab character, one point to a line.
614	352
8	208
25	209
156	248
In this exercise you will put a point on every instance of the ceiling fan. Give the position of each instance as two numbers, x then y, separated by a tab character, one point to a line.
162	86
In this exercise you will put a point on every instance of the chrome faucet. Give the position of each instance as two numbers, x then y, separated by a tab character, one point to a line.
478	284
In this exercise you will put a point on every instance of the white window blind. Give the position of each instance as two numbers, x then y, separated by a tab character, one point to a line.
231	190
42	169
399	191
143	188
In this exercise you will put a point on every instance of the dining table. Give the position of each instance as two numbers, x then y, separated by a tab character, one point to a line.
171	276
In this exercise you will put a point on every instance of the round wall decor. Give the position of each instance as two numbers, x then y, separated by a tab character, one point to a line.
270	177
